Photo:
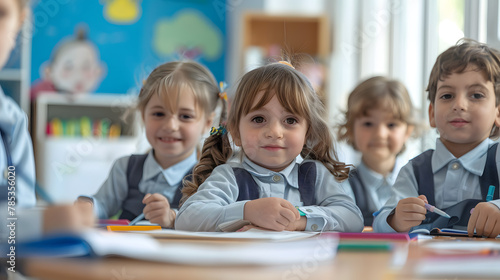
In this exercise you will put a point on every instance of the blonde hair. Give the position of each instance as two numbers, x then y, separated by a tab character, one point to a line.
456	59
376	93
169	79
296	95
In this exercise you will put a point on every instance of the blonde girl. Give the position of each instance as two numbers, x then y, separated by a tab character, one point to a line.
275	117
177	104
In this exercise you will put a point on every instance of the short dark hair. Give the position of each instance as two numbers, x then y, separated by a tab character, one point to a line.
456	59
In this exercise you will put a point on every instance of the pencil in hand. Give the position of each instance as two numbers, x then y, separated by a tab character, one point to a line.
137	219
436	210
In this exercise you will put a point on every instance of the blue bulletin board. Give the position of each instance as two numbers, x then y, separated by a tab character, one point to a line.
133	36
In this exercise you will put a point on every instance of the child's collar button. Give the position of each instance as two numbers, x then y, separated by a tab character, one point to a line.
276	178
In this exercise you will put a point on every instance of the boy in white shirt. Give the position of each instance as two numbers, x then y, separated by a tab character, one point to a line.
464	91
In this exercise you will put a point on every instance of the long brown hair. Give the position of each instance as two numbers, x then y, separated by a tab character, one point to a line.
296	95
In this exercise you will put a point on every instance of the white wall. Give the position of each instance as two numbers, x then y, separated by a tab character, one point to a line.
235	11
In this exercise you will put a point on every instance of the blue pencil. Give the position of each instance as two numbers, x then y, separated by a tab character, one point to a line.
491	192
137	219
43	194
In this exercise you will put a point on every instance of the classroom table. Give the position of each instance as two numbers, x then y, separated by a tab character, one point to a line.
395	264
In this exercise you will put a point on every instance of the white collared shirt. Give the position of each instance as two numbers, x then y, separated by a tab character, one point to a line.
215	202
455	180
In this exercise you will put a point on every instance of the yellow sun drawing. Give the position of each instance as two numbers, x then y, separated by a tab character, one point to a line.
122	11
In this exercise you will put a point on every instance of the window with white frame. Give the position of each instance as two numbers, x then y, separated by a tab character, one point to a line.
401	39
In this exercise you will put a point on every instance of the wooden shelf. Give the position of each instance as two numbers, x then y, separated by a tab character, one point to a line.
95	107
294	34
69	165
298	34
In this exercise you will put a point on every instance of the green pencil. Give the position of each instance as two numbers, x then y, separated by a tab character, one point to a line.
364	246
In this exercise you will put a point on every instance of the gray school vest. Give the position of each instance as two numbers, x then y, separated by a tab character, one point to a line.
460	212
249	190
132	205
359	190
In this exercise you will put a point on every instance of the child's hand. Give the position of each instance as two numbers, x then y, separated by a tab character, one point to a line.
249	227
86	206
297	225
409	212
84	202
158	210
485	219
271	212
87	214
68	218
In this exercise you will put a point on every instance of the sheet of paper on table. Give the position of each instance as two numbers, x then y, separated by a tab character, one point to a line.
252	234
141	246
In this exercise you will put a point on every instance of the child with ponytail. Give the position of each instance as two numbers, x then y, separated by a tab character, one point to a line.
275	116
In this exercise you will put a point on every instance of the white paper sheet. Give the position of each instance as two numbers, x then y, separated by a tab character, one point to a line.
252	234
144	247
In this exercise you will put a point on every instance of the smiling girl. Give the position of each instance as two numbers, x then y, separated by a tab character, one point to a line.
176	103
275	116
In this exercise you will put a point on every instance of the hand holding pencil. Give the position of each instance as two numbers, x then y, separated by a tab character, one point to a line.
67	218
409	212
436	210
158	211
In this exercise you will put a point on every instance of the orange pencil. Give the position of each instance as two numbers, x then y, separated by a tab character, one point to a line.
132	228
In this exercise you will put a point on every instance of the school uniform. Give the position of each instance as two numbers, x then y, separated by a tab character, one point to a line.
115	191
15	141
455	180
216	201
371	190
16	150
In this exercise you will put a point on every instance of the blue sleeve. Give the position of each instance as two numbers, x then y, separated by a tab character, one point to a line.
14	123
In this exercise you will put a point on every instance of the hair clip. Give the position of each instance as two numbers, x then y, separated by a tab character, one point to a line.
218	131
286	63
222	91
223	96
